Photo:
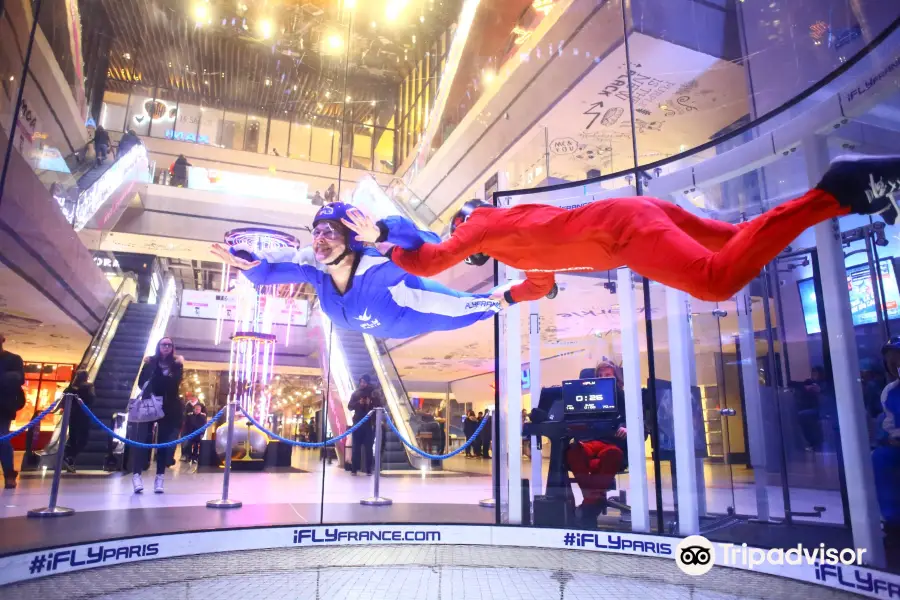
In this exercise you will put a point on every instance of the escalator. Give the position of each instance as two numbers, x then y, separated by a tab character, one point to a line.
82	187
116	376
359	363
113	361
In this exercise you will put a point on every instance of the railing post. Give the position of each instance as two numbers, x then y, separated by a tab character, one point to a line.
52	510
376	499
224	501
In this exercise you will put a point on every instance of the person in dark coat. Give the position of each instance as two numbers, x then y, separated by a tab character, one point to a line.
366	397
470	425
128	141
79	422
179	171
101	144
486	435
162	375
12	399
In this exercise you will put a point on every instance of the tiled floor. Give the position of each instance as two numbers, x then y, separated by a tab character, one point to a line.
412	573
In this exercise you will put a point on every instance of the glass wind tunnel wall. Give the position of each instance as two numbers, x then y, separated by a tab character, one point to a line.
751	379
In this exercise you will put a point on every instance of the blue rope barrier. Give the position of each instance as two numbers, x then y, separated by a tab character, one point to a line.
436	456
180	440
321	444
30	423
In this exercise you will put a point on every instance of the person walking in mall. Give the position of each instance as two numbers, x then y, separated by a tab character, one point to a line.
358	288
128	141
192	407
366	397
179	172
709	259
79	422
470	425
487	435
12	399
160	376
101	144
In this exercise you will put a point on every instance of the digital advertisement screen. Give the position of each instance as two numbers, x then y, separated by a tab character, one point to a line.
584	397
862	296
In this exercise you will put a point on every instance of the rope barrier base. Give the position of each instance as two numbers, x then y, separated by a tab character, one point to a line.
49	513
488	503
376	501
222	503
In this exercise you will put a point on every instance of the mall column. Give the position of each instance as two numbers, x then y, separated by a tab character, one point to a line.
680	344
634	405
753	403
865	517
536	485
509	447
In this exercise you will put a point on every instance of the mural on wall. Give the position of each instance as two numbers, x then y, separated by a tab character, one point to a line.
681	98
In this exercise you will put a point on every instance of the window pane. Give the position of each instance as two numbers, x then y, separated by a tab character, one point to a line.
362	147
322	139
210	122
256	133
278	137
384	150
188	122
232	135
114	111
164	114
140	107
300	133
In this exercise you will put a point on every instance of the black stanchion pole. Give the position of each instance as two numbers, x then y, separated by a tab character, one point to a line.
52	510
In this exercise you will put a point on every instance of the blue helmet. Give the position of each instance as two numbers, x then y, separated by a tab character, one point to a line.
335	212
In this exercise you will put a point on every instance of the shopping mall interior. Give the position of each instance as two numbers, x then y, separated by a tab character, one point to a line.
139	134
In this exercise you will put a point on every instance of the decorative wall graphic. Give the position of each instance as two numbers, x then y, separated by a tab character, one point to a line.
563	146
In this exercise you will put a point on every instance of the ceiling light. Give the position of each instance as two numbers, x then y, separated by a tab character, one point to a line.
422	19
374	24
487	77
295	88
201	13
266	28
206	82
349	4
335	42
268	81
394	9
328	94
348	99
126	56
372	103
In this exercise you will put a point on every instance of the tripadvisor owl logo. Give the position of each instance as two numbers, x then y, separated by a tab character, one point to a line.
695	555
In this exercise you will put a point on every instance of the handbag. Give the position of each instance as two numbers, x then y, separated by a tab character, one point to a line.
145	410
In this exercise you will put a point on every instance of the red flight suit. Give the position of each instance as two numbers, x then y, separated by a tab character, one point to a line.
594	465
708	259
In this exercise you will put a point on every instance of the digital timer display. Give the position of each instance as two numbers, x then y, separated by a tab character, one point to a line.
584	397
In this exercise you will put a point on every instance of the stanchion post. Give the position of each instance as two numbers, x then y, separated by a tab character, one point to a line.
376	499
492	501
224	501
52	510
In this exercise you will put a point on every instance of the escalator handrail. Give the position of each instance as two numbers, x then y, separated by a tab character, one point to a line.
96	350
392	377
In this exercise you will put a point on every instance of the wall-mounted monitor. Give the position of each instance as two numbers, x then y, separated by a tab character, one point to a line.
862	296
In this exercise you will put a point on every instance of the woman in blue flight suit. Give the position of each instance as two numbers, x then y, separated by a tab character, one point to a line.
358	288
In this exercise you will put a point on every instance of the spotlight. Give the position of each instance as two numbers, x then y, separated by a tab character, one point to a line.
266	28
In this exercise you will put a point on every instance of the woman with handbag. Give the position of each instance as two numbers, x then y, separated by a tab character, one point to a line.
157	403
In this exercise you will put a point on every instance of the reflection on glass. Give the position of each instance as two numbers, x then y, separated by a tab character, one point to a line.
279	137
300	139
255	139
232	134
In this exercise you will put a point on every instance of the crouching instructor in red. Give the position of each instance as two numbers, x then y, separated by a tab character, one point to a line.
708	259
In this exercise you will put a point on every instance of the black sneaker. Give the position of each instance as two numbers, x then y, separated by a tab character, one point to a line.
867	185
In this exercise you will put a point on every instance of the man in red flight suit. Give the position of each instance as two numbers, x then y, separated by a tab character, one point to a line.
711	260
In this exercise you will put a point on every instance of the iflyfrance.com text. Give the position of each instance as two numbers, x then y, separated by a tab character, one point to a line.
742	555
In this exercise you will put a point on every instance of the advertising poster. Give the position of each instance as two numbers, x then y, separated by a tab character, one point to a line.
205	304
